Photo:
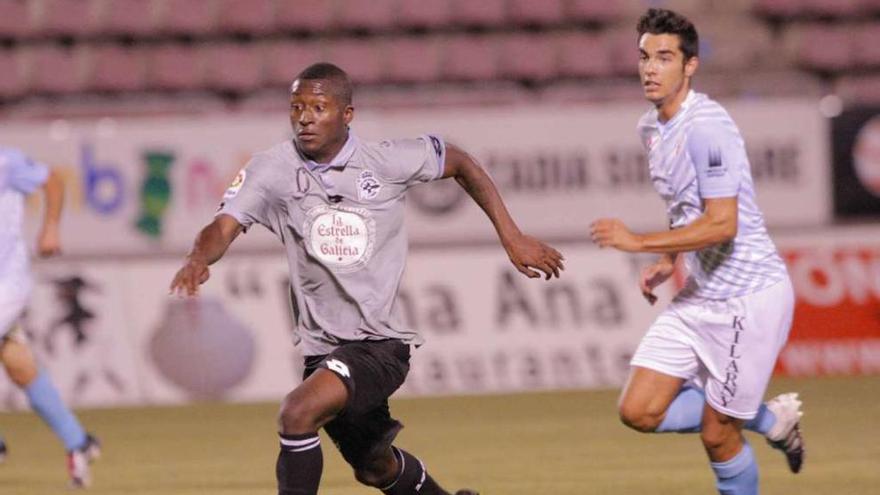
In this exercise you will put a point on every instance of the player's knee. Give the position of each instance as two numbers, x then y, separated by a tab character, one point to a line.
639	418
717	437
298	415
20	367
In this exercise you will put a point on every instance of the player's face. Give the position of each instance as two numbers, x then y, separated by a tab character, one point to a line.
319	120
663	71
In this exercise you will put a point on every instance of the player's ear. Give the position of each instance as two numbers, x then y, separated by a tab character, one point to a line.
690	67
348	114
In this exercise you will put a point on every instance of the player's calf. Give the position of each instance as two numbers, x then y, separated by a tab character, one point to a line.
397	472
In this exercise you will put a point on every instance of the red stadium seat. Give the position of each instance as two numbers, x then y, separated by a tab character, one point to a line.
246	16
835	8
58	70
779	8
175	67
234	66
727	45
187	17
134	17
867	45
304	15
527	56
623	49
822	47
471	58
422	14
13	83
67	17
371	15
15	18
485	13
595	11
117	68
360	59
413	59
285	59
583	55
859	89
529	12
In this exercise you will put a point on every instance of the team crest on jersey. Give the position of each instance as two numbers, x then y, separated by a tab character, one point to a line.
233	188
367	185
340	237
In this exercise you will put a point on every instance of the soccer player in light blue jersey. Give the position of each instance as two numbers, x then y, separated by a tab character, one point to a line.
704	365
20	176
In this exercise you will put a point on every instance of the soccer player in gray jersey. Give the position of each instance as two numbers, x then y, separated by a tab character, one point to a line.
337	204
704	364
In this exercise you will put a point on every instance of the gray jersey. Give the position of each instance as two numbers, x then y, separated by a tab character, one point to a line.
342	225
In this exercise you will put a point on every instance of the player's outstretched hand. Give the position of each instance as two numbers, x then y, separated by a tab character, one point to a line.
49	242
654	275
611	232
529	254
188	279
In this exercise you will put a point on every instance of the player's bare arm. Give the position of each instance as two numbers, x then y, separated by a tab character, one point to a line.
717	225
209	247
655	274
525	252
49	238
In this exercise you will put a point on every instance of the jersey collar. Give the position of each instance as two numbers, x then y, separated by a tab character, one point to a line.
338	162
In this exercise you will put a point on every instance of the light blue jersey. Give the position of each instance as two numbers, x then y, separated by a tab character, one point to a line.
19	176
700	154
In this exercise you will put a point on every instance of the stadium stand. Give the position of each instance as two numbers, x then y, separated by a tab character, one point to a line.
238	51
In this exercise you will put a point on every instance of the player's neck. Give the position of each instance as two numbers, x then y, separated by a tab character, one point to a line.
324	157
670	106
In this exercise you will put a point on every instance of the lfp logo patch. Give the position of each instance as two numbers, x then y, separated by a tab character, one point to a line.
367	185
233	189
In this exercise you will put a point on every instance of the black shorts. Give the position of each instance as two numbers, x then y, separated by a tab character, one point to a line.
372	371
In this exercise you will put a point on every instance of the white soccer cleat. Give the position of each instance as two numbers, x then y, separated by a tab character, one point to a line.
78	469
78	463
785	435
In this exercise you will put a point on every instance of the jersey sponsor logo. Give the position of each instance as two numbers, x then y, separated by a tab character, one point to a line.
716	166
338	366
233	188
341	238
368	186
438	147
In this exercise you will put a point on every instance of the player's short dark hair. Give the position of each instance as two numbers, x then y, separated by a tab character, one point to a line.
663	21
338	78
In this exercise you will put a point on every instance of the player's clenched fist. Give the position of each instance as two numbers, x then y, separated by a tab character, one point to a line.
187	280
611	232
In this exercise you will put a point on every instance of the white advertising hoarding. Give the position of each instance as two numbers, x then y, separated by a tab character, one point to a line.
142	186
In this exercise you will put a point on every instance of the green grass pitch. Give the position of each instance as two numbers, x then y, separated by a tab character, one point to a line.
543	443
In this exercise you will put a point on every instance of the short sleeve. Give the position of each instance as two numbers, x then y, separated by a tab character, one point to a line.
23	174
247	197
412	161
718	158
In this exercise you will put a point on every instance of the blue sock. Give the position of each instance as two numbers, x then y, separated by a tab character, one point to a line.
762	422
685	412
738	476
46	402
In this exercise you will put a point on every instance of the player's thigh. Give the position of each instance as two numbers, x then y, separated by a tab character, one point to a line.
739	342
663	361
17	358
648	393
